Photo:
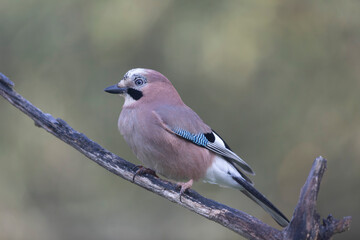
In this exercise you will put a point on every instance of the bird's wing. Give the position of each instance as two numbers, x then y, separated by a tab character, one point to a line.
185	123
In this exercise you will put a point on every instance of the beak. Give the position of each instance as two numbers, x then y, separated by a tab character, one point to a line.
115	89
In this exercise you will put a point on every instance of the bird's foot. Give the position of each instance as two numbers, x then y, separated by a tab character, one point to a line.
143	170
184	186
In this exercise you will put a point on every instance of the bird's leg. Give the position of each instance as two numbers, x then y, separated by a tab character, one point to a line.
184	186
143	170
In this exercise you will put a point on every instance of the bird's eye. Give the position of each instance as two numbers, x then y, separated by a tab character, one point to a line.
139	82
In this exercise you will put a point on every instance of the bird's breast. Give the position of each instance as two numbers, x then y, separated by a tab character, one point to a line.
128	124
160	150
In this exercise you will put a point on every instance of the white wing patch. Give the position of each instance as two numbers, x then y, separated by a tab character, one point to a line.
219	147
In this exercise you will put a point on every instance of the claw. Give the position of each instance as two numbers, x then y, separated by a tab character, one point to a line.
185	186
143	170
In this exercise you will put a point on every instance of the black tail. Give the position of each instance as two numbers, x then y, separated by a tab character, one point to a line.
260	199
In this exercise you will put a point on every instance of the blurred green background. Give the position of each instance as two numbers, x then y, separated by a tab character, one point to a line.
279	80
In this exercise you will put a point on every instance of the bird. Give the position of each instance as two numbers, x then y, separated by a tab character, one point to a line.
169	138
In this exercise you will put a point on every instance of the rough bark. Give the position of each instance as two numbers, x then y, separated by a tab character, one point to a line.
305	223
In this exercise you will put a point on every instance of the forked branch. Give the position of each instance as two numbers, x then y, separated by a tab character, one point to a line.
305	223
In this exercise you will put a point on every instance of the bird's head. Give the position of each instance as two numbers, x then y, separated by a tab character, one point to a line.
140	83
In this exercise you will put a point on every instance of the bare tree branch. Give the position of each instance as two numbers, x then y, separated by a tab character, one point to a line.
305	223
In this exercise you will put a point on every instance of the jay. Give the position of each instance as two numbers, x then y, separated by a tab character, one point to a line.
169	138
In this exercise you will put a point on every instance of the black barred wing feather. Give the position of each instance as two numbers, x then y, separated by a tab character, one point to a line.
198	139
214	143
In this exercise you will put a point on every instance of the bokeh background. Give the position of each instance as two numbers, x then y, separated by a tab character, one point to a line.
279	80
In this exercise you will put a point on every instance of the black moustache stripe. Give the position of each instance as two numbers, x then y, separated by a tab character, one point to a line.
135	94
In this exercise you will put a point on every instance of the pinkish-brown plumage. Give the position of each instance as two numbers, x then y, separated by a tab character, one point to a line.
141	124
170	138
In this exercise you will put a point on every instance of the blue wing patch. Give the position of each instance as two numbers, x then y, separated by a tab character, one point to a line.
199	139
214	143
